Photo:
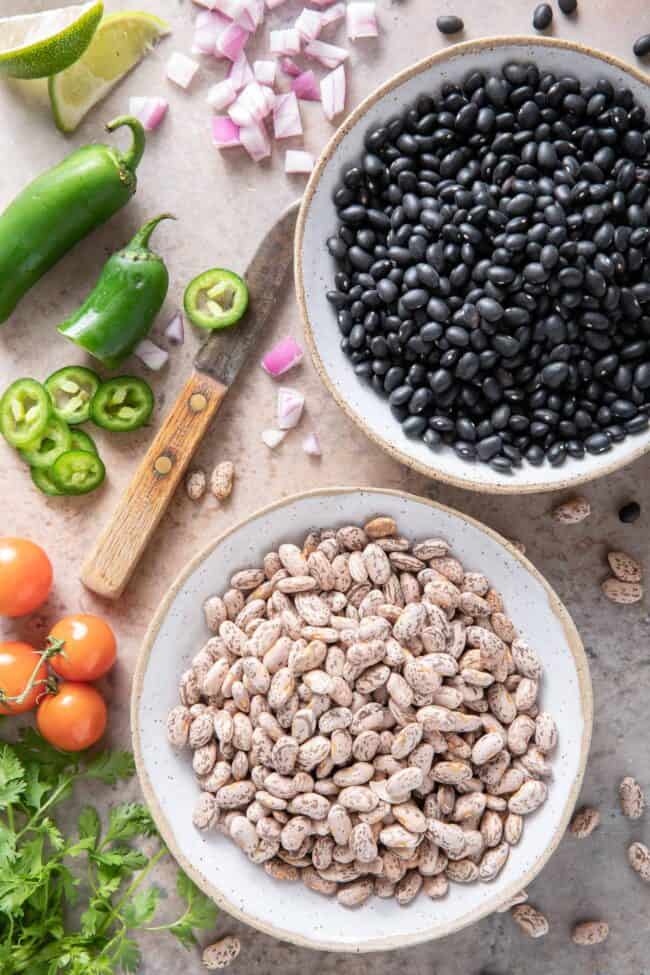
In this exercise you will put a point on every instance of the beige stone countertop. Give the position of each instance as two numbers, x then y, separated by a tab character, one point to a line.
224	203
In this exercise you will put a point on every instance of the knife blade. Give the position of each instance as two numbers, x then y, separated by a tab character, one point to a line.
216	366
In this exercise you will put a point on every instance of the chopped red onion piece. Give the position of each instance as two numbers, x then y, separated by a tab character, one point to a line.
252	15
308	24
232	42
208	27
361	19
255	140
233	9
311	445
181	69
272	4
298	161
332	90
284	41
150	111
286	116
290	406
225	134
254	103
282	357
222	94
152	355
290	67
240	72
332	15
306	87
175	331
329	55
272	438
322	3
264	72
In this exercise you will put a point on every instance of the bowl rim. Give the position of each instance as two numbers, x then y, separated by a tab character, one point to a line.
389	942
356	115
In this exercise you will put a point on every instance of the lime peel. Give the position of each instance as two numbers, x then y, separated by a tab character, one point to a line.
42	44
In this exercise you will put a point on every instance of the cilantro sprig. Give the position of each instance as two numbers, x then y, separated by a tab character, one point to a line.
46	869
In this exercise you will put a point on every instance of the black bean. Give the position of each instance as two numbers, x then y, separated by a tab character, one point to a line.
630	512
449	24
567	6
642	46
543	16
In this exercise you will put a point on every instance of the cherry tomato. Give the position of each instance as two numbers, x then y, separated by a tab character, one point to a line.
17	664
89	647
25	576
74	718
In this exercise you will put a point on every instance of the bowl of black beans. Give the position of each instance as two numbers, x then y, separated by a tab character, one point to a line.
473	265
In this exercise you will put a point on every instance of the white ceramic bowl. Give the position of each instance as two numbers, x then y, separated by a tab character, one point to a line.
314	268
291	911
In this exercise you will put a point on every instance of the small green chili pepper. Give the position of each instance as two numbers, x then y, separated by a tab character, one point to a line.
122	404
77	472
216	298
25	410
71	390
44	482
80	440
62	205
119	311
43	450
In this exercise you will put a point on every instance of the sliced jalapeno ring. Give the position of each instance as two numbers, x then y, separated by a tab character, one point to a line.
43	450
77	472
71	390
25	410
80	440
44	483
216	298
121	404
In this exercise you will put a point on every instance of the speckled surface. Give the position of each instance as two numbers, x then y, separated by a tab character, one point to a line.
224	203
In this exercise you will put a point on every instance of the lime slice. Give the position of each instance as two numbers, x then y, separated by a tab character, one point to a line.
38	45
120	42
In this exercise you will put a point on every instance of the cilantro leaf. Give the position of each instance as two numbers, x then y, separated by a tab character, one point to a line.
141	908
12	777
127	956
7	845
201	911
89	824
110	767
128	820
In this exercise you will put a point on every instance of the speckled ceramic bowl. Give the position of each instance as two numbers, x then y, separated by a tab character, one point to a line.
291	911
315	268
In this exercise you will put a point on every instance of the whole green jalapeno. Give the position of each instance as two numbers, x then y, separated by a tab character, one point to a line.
119	311
62	205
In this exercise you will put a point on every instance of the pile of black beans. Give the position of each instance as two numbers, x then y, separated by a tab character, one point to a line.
493	257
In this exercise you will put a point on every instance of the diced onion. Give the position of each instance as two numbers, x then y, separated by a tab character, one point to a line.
208	27
222	94
175	331
284	41
232	42
311	445
225	134
329	55
361	19
252	15
150	111
286	116
322	3
290	406
152	355
282	357
332	15
306	87
253	104
240	72
298	161
233	9
272	438
181	69
332	91
255	141
308	24
290	67
264	72
272	4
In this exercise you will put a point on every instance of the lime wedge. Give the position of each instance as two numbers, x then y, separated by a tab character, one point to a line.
38	45
120	42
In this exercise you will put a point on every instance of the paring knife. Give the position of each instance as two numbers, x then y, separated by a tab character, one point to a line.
121	544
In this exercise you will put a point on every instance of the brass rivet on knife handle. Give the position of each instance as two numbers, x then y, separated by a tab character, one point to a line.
124	539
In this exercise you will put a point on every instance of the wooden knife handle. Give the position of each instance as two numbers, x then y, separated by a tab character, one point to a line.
121	544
